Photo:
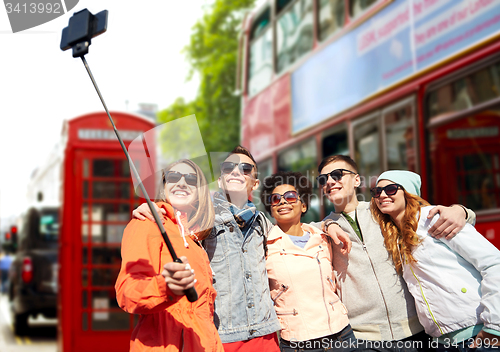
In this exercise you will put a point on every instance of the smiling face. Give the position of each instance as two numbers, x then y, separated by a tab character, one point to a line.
285	213
181	195
342	192
235	183
394	205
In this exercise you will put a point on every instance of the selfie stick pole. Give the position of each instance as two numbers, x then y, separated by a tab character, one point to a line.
190	293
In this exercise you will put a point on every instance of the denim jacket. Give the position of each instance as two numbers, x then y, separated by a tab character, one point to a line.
243	306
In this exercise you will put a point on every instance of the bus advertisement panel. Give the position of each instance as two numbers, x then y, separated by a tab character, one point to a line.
404	84
404	38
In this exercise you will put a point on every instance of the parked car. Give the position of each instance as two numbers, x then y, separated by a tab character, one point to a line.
33	273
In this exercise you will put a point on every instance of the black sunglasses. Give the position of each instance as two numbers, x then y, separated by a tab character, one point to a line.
174	177
290	197
227	167
336	175
390	190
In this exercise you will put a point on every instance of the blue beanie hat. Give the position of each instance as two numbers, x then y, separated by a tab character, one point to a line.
409	180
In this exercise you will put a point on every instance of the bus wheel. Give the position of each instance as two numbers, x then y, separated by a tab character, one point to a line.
20	324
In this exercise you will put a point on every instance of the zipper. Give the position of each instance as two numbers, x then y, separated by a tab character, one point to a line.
425	300
282	289
293	312
323	291
381	292
178	215
333	302
331	283
373	269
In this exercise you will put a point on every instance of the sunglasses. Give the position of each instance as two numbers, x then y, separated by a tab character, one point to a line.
174	177
336	175
227	167
390	190
290	197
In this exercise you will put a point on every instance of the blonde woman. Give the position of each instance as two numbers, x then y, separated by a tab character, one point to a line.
455	283
151	285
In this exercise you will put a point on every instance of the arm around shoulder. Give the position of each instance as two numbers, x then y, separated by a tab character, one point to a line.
471	216
451	220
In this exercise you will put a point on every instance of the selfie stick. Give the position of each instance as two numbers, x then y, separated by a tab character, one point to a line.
82	27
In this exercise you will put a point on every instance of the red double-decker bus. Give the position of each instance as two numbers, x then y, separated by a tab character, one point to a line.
403	84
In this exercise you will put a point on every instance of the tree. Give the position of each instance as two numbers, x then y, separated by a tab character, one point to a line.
212	53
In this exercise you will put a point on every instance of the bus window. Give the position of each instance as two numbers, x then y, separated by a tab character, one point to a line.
469	176
281	4
331	16
400	148
302	158
479	180
465	92
464	150
334	143
260	24
265	169
367	152
294	32
261	54
357	7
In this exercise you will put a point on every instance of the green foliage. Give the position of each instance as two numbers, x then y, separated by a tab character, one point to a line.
212	54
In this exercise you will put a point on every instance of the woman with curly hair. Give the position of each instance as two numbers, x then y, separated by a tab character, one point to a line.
455	283
299	267
151	285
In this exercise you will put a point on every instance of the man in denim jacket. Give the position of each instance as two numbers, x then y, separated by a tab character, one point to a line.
244	313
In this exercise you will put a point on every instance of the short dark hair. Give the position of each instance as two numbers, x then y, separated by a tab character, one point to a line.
239	149
295	179
333	158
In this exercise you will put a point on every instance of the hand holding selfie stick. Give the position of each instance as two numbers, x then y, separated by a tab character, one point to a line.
83	26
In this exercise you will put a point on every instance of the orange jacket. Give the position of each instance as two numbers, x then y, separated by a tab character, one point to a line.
167	322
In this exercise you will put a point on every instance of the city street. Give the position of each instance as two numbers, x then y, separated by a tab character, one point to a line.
41	336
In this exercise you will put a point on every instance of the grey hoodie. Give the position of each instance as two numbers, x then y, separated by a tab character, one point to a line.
377	299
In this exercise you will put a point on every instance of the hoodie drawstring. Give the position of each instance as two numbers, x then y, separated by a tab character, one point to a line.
177	214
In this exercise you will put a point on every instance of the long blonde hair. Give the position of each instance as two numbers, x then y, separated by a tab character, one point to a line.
204	214
400	242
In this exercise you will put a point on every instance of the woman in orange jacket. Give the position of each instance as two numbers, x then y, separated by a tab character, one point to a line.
151	285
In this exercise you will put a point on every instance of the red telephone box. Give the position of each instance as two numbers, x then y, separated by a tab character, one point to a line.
97	200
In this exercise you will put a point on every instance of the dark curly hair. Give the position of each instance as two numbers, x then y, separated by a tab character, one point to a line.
295	179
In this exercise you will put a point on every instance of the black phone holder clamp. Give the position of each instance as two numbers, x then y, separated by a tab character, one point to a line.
82	27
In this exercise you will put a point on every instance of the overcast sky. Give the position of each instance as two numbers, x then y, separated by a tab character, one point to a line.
138	60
